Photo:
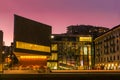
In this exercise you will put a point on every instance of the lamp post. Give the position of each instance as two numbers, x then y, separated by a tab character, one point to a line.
3	61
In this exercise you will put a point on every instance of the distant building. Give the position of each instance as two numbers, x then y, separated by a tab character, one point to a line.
1	45
107	49
71	52
86	30
1	40
31	42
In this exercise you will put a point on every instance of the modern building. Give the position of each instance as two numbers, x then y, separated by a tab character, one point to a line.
71	52
31	43
86	30
1	45
52	61
107	49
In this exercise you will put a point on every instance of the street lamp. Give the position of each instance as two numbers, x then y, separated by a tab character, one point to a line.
52	37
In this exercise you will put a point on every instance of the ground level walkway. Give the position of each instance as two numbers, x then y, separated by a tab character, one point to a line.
20	72
57	75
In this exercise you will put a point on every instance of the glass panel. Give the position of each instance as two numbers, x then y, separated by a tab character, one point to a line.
85	50
81	50
81	60
52	65
54	47
89	49
54	56
29	46
89	60
85	60
85	39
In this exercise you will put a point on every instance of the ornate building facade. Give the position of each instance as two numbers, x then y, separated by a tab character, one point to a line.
107	49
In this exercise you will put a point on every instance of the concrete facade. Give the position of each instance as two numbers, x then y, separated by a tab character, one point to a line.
107	49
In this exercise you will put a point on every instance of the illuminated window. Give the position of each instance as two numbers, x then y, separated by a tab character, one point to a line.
85	50
52	65
118	57
81	50
29	46
54	47
53	56
85	60
81	60
89	50
89	60
85	39
33	57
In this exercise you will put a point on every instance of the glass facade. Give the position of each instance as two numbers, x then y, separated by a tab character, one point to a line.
53	56
29	46
52	60
73	52
52	65
54	47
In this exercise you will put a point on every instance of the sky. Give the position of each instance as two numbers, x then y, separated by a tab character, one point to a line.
59	14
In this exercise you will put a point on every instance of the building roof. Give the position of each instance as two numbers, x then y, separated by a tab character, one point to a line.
118	26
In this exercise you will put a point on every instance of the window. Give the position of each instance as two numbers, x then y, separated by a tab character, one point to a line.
114	58
104	59
34	47
85	50
110	58
101	59
54	47
85	60
81	50
111	50
52	65
85	39
118	57
54	56
96	60
117	41
89	60
117	47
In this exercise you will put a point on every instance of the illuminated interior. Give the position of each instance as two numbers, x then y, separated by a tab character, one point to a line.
52	65
28	61
85	50
85	39
33	57
109	66
82	58
53	56
29	46
54	47
33	60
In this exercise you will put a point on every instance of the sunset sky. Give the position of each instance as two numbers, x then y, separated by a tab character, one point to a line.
59	13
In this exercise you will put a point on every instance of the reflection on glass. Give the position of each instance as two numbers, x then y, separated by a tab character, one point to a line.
85	50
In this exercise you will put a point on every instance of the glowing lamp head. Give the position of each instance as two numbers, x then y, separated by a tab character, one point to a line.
52	37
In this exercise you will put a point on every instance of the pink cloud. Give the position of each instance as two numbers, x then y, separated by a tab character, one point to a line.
59	13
